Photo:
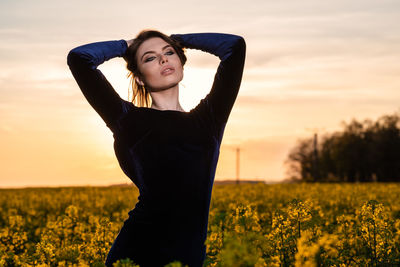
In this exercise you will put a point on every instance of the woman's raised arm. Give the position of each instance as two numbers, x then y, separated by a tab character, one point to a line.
231	50
83	62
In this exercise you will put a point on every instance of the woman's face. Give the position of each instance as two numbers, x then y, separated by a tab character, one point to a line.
158	64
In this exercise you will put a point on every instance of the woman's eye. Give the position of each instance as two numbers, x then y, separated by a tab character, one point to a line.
170	53
149	59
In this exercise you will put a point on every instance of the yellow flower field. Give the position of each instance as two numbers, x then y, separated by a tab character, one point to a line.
249	225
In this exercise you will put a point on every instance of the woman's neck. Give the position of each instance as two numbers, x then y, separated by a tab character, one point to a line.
166	99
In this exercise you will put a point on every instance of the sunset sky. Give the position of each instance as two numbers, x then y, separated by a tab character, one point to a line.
310	65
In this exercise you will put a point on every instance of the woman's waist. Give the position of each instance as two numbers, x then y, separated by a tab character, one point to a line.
164	214
171	227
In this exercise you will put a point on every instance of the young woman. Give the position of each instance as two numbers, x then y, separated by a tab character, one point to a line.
170	154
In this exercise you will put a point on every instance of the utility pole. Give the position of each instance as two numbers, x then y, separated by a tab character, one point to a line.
237	165
315	171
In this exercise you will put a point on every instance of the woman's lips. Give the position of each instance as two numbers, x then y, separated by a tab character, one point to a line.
167	70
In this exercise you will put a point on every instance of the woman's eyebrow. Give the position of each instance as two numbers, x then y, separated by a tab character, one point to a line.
149	52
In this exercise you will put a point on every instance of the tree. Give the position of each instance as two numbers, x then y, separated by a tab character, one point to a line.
362	152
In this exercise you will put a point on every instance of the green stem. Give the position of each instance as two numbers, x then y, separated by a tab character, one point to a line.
299	228
375	243
283	258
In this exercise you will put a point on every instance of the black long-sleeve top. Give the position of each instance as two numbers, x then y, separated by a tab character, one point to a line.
171	156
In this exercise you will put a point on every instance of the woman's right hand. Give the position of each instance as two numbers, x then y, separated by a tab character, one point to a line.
129	42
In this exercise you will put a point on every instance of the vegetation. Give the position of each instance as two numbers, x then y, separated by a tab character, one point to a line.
364	152
249	225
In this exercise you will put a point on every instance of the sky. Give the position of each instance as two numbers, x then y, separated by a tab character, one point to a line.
310	65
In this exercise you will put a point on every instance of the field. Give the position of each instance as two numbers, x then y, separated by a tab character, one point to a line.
249	225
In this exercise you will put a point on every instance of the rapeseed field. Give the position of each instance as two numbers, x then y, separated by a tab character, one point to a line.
249	225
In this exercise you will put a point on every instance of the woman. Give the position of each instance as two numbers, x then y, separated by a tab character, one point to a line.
170	154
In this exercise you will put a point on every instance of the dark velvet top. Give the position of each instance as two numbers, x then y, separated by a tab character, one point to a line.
171	156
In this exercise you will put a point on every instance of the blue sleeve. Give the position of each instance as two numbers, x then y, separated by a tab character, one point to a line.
231	50
83	62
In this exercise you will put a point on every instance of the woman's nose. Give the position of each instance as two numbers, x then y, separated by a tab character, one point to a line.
163	59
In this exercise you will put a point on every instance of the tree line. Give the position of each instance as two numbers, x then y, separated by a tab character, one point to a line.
363	152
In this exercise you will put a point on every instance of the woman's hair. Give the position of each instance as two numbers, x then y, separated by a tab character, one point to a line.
139	93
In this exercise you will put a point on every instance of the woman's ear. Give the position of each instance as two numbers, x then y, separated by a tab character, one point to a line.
138	81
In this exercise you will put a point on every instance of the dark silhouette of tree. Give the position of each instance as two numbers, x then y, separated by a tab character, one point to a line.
301	161
363	152
387	148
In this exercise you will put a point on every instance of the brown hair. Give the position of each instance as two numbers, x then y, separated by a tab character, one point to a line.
139	93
